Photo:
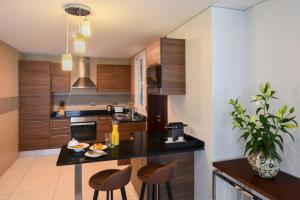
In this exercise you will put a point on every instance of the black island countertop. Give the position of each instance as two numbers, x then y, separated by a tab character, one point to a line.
142	144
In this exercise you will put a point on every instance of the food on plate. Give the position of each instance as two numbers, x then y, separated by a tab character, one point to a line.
98	146
79	146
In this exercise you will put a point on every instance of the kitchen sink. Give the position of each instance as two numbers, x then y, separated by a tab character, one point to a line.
126	117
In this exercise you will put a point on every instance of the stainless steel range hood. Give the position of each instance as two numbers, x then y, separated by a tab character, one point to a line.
84	80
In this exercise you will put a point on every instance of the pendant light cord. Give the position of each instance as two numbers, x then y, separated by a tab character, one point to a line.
67	34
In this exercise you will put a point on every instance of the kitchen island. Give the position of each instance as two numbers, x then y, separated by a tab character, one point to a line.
151	149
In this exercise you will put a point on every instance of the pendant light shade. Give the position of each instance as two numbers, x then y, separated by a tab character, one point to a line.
85	28
79	43
67	62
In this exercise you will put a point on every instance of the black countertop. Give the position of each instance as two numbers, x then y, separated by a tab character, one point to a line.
142	144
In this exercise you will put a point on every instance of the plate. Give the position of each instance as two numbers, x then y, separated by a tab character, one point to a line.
79	149
93	148
94	154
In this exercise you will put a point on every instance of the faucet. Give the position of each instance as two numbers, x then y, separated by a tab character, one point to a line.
131	109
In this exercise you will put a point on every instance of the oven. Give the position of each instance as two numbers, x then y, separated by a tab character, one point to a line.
154	79
84	129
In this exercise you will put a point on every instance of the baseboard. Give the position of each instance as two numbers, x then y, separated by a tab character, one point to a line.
44	152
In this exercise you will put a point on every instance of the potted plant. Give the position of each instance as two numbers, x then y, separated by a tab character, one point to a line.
263	131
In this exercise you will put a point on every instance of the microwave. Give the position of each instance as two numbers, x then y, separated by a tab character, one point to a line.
154	79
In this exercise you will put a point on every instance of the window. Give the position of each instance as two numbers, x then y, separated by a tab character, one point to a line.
140	87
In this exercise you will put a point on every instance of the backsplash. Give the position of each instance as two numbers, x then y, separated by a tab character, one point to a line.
89	102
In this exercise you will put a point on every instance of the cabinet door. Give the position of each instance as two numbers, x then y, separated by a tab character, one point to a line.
126	128
105	78
34	132
103	126
60	79
34	78
122	81
31	105
153	53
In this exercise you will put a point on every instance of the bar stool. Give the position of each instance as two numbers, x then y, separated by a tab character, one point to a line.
110	180
157	174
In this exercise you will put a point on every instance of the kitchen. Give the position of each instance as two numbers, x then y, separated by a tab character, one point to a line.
97	103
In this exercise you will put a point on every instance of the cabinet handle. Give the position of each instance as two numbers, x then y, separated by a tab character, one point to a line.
35	121
59	136
66	127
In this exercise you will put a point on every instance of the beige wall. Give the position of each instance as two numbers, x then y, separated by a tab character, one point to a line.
8	118
195	108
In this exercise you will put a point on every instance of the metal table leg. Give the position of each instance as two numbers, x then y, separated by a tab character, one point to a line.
78	182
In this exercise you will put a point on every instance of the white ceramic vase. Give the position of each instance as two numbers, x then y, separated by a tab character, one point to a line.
265	168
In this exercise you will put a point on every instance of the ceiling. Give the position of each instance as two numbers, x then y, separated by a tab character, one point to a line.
119	28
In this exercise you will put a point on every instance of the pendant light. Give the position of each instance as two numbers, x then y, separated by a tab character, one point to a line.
79	43
67	61
85	28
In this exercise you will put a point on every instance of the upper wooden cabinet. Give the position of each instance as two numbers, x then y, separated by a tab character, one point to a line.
113	78
153	53
170	54
60	79
105	78
34	78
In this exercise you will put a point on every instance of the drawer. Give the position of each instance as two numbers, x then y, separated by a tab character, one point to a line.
60	124
58	141
60	131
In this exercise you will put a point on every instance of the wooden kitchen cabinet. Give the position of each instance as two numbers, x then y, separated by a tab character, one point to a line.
122	78
34	132
60	80
60	132
170	54
103	126
34	78
153	54
113	78
105	78
34	104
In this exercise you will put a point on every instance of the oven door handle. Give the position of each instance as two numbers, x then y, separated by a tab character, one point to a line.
83	123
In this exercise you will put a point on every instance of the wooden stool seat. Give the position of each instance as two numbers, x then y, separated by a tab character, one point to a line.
156	174
109	180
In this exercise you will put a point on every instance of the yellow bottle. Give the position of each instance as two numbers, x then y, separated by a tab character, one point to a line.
115	133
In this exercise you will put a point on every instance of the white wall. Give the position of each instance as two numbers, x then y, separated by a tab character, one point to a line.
228	79
272	49
194	108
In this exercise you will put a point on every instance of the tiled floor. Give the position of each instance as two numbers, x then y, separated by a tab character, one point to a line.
38	178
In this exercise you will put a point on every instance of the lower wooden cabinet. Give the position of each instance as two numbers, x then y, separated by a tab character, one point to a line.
34	132
60	132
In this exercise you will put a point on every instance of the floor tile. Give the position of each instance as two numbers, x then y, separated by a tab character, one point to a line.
8	185
15	172
4	196
26	161
43	170
33	195
37	183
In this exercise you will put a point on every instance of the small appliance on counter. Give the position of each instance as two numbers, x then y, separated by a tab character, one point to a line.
62	109
176	129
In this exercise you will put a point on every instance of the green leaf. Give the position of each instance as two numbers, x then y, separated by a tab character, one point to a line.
258	109
284	109
261	88
269	92
290	126
292	110
231	101
279	144
252	119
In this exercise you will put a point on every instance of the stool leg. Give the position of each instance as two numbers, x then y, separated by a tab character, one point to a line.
143	191
158	192
123	192
107	195
168	186
153	192
96	195
112	195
